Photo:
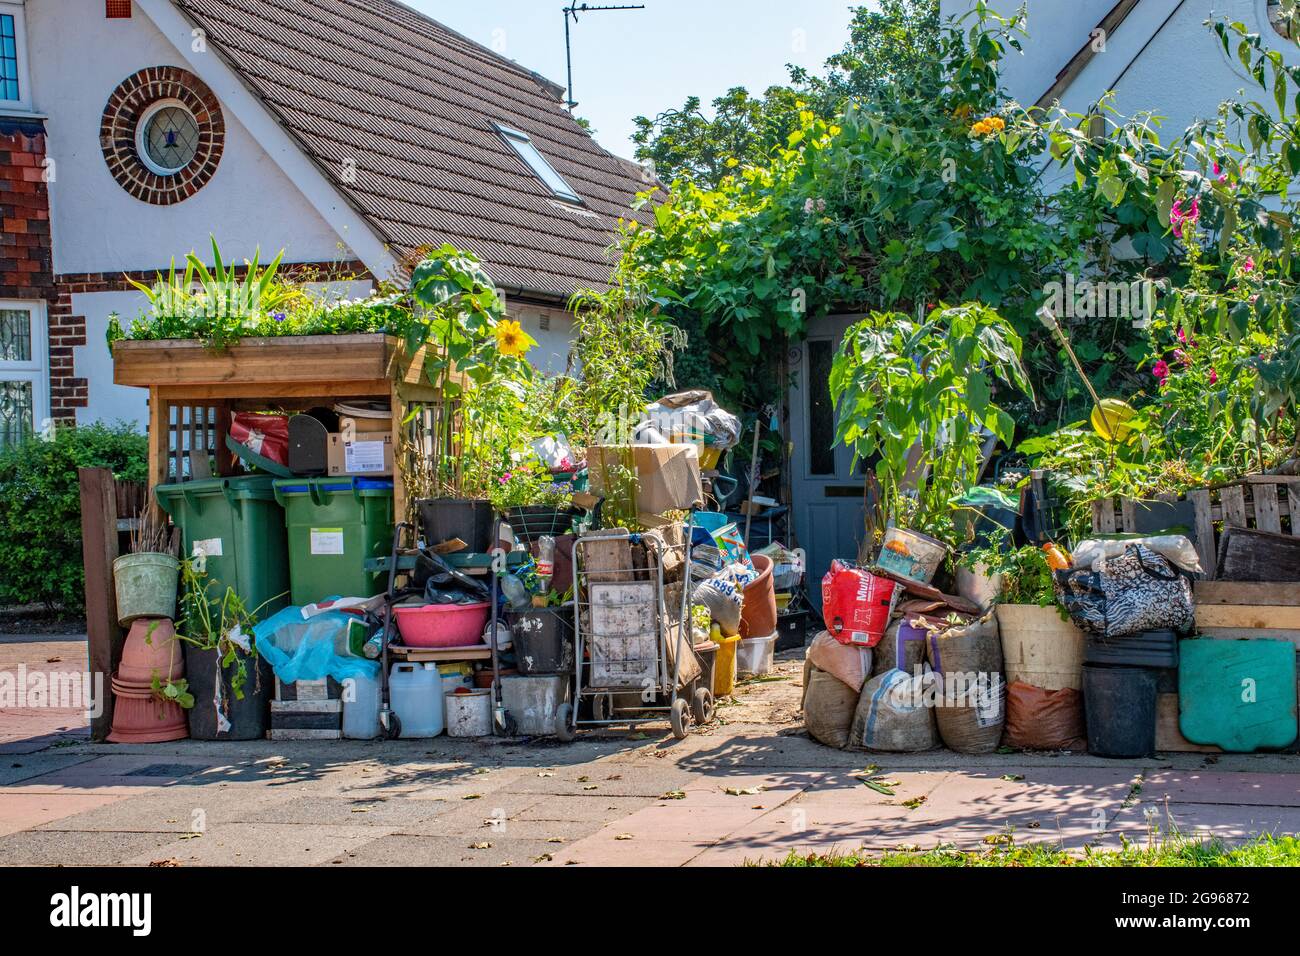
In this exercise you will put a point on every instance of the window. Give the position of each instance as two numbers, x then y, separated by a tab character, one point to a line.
24	396
167	137
542	169
8	57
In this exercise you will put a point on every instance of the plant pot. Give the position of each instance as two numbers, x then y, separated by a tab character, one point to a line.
469	519
151	649
911	555
139	717
543	640
758	612
1040	649
532	522
145	585
248	717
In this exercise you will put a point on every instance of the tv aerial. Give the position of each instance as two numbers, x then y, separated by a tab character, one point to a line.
572	11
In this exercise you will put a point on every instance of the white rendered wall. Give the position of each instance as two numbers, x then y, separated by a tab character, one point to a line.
77	59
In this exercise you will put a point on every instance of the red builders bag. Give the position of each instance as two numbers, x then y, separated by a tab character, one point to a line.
263	434
855	604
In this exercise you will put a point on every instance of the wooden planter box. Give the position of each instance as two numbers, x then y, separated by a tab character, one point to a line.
193	388
1259	502
340	364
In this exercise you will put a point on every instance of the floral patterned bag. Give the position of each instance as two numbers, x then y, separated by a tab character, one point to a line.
1137	591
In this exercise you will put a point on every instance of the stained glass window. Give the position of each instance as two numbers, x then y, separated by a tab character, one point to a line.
15	412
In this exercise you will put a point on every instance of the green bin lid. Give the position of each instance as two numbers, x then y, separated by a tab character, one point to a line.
244	488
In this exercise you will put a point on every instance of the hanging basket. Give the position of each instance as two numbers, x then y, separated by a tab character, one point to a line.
531	522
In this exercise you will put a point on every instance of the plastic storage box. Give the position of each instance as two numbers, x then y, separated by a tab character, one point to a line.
754	656
334	525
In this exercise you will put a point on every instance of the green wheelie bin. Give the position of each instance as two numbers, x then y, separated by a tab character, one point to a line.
238	525
334	525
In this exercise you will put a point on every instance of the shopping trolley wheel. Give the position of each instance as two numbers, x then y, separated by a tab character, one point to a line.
394	726
602	707
702	706
680	718
564	729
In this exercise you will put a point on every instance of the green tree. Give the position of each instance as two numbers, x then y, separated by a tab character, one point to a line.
894	43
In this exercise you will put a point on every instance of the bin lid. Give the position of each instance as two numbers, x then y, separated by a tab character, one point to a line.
302	486
245	487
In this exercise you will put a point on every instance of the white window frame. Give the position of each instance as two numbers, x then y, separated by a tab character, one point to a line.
37	370
24	102
527	151
142	136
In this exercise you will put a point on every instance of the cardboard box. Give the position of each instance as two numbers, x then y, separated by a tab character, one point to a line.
368	457
364	426
668	476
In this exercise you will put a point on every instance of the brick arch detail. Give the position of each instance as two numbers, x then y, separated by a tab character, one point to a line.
122	114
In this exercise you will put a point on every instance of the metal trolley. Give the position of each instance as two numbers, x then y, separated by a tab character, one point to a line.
635	660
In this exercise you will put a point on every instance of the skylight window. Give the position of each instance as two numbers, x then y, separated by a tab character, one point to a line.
538	163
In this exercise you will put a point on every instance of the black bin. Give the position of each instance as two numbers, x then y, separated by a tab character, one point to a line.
1120	706
543	640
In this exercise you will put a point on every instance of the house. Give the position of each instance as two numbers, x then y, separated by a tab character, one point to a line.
346	132
1156	55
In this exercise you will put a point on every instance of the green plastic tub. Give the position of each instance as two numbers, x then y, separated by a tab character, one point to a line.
238	526
334	525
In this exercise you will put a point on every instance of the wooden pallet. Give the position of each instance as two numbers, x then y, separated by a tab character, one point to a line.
1259	502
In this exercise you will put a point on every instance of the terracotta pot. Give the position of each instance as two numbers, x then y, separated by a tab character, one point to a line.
758	613
151	648
146	719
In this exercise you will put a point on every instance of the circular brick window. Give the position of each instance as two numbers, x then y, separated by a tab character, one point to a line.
162	135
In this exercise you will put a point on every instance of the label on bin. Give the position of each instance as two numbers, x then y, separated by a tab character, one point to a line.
363	457
208	547
326	540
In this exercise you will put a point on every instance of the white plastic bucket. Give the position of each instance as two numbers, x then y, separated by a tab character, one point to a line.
754	656
469	715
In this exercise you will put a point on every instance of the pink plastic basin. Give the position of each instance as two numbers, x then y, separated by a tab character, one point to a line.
442	625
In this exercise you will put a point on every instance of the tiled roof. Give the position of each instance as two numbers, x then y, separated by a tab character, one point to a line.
413	104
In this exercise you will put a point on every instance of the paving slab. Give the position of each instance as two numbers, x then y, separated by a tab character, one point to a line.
263	844
22	811
1236	789
408	850
606	849
1231	824
176	809
589	808
58	848
19	768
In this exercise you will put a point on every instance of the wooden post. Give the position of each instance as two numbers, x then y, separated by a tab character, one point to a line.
99	549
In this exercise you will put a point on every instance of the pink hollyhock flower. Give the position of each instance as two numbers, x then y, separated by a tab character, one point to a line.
1219	175
1182	357
1248	265
1178	216
1161	371
1214	377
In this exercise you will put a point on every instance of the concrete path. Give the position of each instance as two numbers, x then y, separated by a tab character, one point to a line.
750	788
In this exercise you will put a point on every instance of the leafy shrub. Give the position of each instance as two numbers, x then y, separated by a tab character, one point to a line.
40	509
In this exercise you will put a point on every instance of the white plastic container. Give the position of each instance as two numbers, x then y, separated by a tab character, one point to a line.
754	656
415	691
361	707
469	715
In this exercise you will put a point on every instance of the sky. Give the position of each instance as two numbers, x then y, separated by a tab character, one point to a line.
642	62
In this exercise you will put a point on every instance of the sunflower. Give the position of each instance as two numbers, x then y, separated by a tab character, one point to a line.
512	340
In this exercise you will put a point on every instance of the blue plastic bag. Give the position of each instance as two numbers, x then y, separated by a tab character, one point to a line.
310	649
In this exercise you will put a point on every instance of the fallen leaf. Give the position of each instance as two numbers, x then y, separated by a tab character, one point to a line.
171	861
591	787
544	858
472	796
583	779
914	802
480	846
673	795
546	773
555	840
1013	777
190	836
623	836
742	792
878	787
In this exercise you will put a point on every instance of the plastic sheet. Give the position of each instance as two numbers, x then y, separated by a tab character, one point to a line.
311	649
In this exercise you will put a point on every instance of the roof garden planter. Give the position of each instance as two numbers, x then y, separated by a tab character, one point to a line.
446	519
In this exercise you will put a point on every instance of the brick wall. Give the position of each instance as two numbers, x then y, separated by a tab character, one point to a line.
26	269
